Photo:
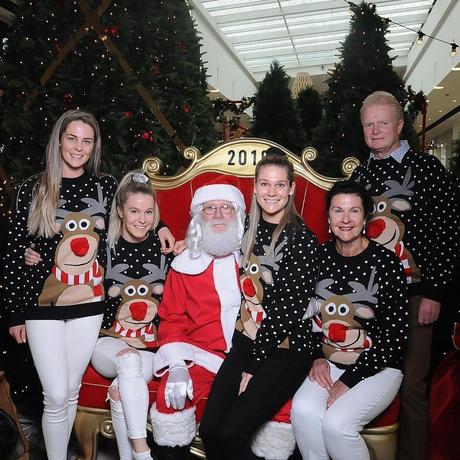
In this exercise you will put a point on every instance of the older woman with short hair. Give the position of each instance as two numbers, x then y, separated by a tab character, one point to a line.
361	334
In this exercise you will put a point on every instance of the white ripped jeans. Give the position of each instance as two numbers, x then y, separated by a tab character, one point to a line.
133	370
335	432
61	350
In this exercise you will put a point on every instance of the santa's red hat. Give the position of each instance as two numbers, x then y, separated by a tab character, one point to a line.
221	188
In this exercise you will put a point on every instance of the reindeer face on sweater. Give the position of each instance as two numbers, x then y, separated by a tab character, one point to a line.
344	336
251	284
76	277
77	251
387	229
258	269
341	331
137	306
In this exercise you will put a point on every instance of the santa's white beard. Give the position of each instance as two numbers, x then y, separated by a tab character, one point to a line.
220	243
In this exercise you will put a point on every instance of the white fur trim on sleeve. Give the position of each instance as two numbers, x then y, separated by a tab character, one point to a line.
171	353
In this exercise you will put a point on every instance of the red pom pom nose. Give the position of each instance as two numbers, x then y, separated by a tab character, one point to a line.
138	310
79	246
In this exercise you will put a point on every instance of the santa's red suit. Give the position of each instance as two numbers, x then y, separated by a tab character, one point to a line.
197	314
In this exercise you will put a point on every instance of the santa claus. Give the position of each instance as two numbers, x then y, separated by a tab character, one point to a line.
197	314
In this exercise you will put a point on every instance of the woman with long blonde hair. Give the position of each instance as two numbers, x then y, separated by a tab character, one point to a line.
134	280
63	212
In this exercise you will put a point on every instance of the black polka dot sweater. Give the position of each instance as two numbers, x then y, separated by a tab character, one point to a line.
68	283
277	287
416	216
363	320
134	282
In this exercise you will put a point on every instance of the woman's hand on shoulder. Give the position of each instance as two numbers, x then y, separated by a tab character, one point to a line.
166	240
179	247
19	333
31	257
320	373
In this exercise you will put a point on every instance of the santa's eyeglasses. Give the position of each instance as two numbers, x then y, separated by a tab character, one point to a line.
224	209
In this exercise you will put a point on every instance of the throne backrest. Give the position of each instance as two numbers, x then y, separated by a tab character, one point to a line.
239	158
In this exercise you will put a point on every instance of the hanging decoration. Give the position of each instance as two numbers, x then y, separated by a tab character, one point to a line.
228	113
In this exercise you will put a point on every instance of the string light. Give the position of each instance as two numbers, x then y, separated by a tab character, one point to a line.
419	33
420	37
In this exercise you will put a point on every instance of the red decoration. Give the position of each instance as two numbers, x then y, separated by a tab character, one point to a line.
156	69
128	115
186	107
112	30
148	136
68	97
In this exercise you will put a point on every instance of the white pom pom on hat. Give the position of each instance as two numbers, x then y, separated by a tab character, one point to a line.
223	187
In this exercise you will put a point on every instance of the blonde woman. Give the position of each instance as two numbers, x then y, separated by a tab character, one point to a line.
64	212
136	270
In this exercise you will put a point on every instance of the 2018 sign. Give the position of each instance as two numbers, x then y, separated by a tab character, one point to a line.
243	158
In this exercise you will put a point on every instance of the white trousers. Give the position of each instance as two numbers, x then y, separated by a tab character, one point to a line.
335	432
61	350
132	371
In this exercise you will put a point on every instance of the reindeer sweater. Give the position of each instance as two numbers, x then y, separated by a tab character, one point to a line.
68	281
416	216
363	320
134	283
276	292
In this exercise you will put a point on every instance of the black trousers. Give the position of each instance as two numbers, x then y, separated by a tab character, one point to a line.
230	420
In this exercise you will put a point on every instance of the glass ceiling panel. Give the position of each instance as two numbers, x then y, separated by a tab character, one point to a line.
299	32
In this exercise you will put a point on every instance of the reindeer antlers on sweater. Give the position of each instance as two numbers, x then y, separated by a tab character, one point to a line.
95	206
156	273
397	189
271	258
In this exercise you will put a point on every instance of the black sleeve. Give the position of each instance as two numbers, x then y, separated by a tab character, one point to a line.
443	226
14	266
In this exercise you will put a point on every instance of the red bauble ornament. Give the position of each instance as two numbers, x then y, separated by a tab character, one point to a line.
148	136
186	108
68	97
114	30
128	115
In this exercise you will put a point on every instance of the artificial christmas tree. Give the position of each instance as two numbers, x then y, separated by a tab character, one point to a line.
365	67
136	65
275	114
310	109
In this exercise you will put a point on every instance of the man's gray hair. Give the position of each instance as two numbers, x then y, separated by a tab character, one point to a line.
383	98
194	230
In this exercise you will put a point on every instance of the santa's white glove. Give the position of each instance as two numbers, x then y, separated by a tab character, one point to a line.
178	386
